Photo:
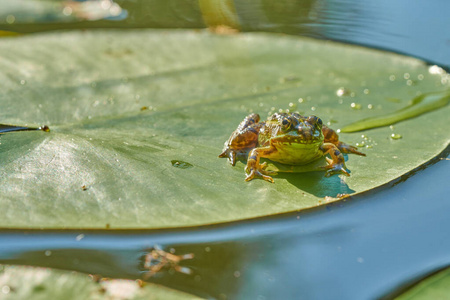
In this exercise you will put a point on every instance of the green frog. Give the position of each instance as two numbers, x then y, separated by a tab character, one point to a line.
287	138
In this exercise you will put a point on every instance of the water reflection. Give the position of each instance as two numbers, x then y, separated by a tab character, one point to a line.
417	29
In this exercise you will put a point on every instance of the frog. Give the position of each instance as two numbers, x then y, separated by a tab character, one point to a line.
286	138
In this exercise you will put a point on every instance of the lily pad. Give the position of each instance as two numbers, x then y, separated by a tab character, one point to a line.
435	287
123	106
18	282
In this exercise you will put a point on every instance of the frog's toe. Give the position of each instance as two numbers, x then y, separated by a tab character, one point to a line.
231	154
338	168
258	173
262	169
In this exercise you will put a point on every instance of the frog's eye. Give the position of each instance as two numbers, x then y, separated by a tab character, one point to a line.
319	121
286	123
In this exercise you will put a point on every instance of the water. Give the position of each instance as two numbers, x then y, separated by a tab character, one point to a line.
418	29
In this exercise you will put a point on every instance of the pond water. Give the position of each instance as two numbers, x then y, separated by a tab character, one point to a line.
370	246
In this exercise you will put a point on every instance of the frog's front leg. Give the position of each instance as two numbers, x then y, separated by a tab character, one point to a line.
244	138
254	168
337	163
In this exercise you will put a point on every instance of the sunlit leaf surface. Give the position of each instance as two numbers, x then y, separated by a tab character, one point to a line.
125	107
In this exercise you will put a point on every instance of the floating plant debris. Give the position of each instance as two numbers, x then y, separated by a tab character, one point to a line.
419	105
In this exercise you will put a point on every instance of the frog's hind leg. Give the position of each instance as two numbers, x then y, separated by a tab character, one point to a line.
337	163
331	136
346	148
254	168
244	138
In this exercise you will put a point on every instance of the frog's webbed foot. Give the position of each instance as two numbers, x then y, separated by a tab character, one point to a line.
345	148
259	171
335	168
336	165
255	169
231	154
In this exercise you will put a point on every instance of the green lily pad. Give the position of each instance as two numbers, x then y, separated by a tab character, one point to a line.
18	282
124	107
435	287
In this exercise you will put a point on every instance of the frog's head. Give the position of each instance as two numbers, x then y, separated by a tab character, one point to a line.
294	129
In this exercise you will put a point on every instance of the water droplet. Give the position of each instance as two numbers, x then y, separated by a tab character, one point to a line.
396	136
181	164
292	105
289	78
366	91
435	70
370	106
237	274
409	82
106	5
406	75
79	237
313	108
6	289
420	76
207	249
23	81
10	19
342	92
300	100
355	105
67	11
392	77
48	253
